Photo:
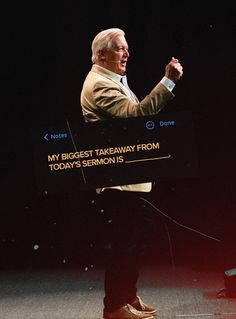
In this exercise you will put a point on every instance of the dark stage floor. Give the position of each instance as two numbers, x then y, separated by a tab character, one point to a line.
179	293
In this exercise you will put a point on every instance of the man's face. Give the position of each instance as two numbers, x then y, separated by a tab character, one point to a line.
115	58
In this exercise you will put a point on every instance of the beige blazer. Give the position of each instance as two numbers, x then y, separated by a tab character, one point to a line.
103	96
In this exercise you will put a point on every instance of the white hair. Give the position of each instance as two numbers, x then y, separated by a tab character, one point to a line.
103	40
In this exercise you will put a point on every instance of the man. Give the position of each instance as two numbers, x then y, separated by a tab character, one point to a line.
105	95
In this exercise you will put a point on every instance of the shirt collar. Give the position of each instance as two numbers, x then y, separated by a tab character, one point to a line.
115	76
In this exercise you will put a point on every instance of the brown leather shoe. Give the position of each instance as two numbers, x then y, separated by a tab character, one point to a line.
141	306
127	312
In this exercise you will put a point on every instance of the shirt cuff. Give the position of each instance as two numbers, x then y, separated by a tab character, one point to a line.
167	83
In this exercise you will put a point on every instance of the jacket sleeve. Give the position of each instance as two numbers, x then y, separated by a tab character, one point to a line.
112	102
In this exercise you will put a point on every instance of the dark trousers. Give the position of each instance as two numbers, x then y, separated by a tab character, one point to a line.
128	225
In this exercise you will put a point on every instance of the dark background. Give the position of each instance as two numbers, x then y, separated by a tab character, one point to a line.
46	56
